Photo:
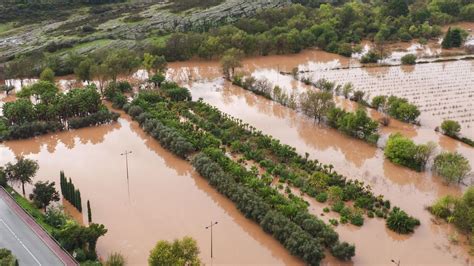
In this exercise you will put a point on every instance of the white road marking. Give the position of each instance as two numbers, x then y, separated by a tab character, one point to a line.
13	233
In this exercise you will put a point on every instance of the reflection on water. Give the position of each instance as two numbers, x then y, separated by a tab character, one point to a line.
164	198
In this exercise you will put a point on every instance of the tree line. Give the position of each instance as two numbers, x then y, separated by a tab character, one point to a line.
69	192
41	108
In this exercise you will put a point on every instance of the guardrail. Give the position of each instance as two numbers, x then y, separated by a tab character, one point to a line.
71	261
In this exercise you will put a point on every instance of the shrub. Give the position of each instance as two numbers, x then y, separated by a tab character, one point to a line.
343	251
409	59
322	197
404	151
453	167
399	108
135	111
370	57
401	222
451	128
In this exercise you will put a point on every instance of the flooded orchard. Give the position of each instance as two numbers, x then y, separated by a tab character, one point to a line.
413	191
164	197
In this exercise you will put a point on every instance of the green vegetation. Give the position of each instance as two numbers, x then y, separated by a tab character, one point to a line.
401	222
52	111
318	105
458	211
70	193
43	194
21	172
115	259
206	136
7	258
358	124
404	151
453	38
409	59
179	252
452	128
453	167
76	239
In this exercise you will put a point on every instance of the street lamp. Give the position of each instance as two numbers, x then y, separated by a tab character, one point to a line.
210	226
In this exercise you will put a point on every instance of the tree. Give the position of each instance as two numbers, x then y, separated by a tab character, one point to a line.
6	88
408	59
47	75
179	252
403	151
316	104
231	60
115	259
453	38
148	61
22	171
43	194
19	111
7	258
89	212
84	71
451	128
453	167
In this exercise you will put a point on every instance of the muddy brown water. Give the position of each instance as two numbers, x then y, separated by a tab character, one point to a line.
376	245
164	197
168	199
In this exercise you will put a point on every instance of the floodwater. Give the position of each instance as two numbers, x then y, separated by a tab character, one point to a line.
144	210
163	199
412	191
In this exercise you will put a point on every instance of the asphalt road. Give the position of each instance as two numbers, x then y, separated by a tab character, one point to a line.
16	236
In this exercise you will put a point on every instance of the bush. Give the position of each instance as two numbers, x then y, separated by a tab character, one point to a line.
451	128
400	109
404	151
370	57
401	222
322	197
453	167
409	59
135	111
343	251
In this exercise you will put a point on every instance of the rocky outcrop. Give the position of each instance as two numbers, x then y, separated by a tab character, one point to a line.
157	18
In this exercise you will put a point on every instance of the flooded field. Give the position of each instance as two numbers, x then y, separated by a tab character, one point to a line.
163	199
429	245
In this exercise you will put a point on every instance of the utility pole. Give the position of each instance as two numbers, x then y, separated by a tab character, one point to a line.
126	153
210	226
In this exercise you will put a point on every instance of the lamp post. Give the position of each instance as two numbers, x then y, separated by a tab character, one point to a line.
210	227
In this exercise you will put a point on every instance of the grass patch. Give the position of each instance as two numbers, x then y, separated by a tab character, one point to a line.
31	209
4	27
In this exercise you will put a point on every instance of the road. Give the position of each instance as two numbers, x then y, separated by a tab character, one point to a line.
23	238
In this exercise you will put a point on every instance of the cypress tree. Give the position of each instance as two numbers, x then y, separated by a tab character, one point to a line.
78	201
89	212
447	41
61	181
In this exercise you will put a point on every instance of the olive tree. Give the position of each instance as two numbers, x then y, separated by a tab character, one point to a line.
316	104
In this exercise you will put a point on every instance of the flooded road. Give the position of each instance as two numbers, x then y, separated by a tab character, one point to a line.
163	199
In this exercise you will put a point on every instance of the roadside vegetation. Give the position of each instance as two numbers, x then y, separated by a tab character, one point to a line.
7	258
80	241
